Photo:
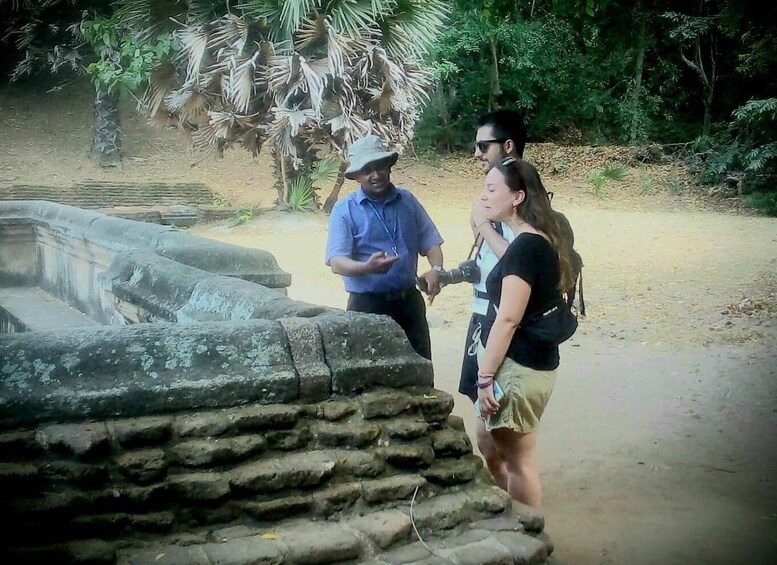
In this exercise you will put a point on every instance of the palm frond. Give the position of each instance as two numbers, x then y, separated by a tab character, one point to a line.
188	104
283	76
418	81
194	42
340	49
294	12
350	127
64	55
353	17
26	34
231	31
268	13
326	170
200	11
32	59
293	118
238	87
253	140
302	194
413	26
163	80
315	74
280	137
312	30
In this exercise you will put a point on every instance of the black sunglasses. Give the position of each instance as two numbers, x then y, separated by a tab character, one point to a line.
486	143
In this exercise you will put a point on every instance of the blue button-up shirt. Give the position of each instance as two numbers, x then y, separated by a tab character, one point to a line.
360	226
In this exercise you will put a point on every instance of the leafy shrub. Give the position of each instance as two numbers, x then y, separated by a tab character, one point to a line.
600	177
244	215
302	190
301	194
742	158
766	202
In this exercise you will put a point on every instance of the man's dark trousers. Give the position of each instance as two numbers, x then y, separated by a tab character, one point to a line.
406	307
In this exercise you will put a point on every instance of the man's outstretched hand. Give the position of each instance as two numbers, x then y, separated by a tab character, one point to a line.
380	262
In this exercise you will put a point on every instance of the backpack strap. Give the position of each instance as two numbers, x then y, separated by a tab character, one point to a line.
480	240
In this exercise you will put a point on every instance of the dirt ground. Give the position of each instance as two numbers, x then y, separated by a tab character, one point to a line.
658	446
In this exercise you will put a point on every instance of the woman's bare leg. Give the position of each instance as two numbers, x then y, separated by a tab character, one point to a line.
491	455
518	452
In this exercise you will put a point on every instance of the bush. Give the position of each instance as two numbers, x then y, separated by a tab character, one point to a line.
766	202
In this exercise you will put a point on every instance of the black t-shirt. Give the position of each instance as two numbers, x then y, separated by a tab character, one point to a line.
532	258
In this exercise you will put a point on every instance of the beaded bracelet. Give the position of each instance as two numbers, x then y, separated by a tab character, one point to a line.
485	385
484	375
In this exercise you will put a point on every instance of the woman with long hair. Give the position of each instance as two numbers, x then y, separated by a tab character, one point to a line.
521	371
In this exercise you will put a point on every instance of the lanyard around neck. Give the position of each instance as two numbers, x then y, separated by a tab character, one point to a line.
382	220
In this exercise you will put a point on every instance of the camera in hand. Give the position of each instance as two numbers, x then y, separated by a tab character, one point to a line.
467	271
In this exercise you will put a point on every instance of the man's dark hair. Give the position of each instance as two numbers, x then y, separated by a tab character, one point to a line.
506	124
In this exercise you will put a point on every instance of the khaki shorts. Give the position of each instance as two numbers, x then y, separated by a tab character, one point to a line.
527	392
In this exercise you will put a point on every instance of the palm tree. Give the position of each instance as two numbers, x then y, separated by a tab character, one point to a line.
305	77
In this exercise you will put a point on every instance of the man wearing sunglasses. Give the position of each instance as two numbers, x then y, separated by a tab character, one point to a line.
500	134
376	234
500	137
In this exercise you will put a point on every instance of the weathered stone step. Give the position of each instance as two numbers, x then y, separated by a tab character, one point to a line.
32	309
382	537
98	194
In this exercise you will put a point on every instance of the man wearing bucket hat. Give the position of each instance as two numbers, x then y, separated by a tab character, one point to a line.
376	234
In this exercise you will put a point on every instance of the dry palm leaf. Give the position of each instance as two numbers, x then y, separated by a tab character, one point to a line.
188	103
238	86
194	42
312	30
231	31
163	80
315	74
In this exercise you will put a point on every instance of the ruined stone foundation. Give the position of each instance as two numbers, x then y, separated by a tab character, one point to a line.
193	415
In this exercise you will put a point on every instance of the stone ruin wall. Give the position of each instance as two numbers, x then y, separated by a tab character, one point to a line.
239	427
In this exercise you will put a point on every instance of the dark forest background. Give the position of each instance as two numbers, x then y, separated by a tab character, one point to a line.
697	77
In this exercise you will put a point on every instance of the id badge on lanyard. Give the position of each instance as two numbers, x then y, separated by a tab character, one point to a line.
392	236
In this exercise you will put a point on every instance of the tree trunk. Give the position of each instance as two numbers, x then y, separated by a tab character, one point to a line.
442	106
280	178
710	85
496	89
106	144
707	123
634	132
708	78
335	194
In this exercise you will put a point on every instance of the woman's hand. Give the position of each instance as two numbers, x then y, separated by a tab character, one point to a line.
488	404
477	215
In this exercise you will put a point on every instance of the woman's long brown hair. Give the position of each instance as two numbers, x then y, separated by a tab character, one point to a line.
536	211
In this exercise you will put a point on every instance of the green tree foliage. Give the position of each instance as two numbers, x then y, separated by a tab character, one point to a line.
742	158
687	73
123	60
76	38
483	62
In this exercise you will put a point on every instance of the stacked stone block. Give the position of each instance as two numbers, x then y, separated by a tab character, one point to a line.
321	482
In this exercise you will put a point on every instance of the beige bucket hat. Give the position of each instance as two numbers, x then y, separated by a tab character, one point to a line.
367	150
